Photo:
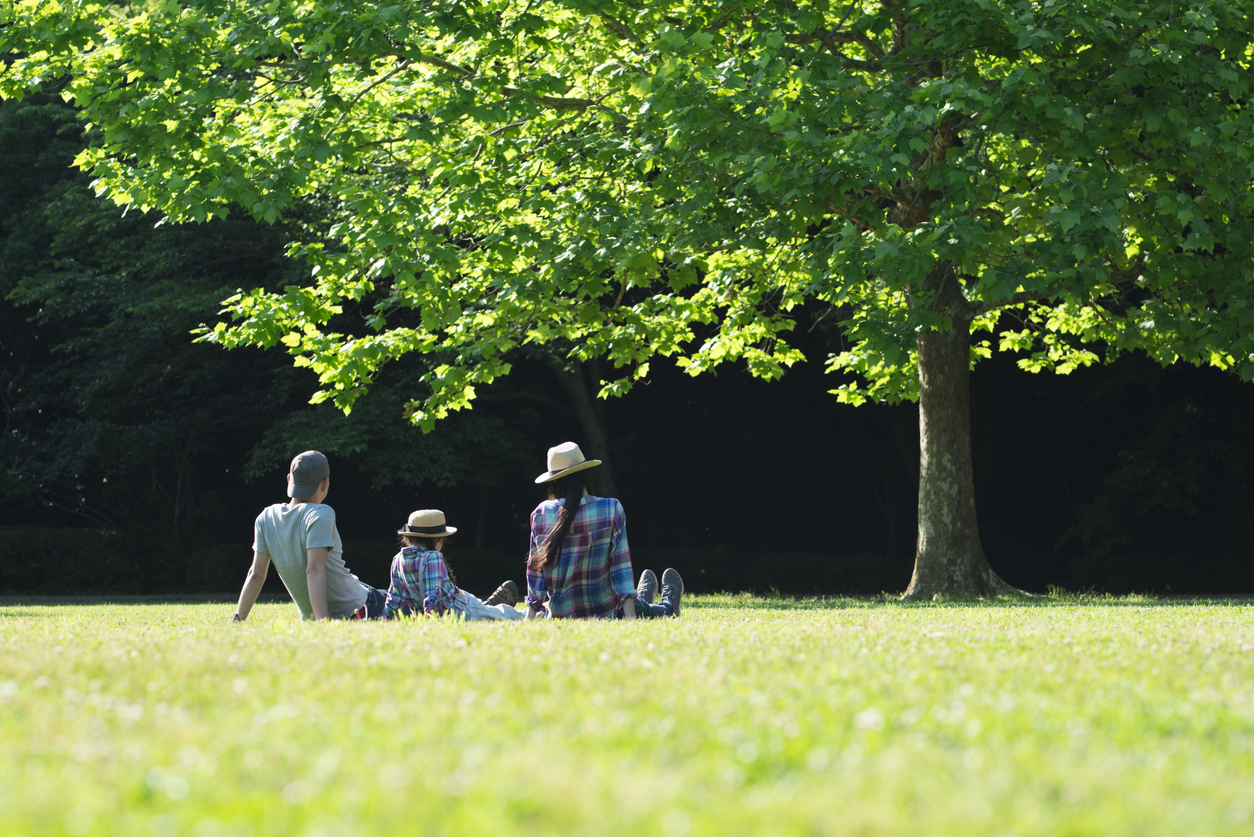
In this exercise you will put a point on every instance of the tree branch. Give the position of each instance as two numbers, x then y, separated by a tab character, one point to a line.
839	36
444	65
555	102
508	127
562	102
551	403
1130	273
621	29
718	23
347	110
856	64
1020	298
79	507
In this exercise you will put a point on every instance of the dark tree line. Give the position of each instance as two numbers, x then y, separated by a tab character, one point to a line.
149	454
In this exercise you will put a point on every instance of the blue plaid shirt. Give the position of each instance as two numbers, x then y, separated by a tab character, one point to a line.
419	575
593	575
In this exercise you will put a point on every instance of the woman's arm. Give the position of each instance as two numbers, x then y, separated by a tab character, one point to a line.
622	580
537	590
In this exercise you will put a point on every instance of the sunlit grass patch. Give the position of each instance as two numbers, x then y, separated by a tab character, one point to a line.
745	716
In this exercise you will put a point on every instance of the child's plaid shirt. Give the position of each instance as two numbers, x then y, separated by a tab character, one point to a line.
419	575
592	576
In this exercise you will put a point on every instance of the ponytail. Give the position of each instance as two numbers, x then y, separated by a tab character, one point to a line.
571	488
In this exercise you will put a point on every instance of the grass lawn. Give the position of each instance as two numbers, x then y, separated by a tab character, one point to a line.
745	716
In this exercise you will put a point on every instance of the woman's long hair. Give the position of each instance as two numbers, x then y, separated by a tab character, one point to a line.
570	488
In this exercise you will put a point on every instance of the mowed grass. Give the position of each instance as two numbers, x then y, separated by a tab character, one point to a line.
745	716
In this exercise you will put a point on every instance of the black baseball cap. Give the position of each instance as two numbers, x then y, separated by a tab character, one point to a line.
308	471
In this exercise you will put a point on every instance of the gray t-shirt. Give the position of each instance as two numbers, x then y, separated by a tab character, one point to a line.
285	532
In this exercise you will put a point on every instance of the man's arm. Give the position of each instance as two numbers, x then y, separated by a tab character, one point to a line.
316	579
252	584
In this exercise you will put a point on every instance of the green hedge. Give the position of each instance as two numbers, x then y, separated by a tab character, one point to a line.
86	561
67	561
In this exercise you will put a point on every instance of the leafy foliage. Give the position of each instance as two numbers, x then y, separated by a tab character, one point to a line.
106	399
674	179
478	448
113	416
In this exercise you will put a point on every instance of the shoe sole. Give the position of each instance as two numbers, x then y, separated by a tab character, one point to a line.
493	601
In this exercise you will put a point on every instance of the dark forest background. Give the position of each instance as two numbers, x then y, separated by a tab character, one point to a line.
136	460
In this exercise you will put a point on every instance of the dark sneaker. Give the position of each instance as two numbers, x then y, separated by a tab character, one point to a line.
506	594
672	590
647	588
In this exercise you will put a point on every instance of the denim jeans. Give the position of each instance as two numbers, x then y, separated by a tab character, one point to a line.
644	610
373	606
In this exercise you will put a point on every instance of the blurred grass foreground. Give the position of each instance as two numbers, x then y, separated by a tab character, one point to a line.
745	716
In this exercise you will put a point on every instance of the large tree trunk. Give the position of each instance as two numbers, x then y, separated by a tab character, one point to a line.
1243	469
949	559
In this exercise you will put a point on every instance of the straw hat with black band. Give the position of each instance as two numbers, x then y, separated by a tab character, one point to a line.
564	459
427	523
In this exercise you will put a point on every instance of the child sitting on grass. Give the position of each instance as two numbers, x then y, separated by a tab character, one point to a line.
420	578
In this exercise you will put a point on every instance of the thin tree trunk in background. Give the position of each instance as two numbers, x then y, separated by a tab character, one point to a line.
482	522
570	374
74	504
949	559
180	494
1242	434
885	497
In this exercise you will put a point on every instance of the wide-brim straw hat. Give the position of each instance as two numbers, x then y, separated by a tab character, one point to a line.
565	459
427	523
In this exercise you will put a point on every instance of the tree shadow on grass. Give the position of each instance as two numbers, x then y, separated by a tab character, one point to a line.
746	601
9	604
25	607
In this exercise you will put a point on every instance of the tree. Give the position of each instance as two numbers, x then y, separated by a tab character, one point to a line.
113	417
683	178
111	414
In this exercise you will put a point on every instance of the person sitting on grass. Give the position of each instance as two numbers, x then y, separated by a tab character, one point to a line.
302	540
579	565
421	581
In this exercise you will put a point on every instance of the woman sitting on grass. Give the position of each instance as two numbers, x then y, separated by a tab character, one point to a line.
579	565
420	577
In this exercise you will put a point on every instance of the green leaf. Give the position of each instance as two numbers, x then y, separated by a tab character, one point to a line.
641	181
1068	219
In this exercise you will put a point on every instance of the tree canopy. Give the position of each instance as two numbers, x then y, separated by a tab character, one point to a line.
677	178
111	415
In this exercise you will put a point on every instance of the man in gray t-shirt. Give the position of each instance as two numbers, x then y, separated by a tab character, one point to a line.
301	539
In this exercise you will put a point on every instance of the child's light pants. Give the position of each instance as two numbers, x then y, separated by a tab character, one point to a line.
471	607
